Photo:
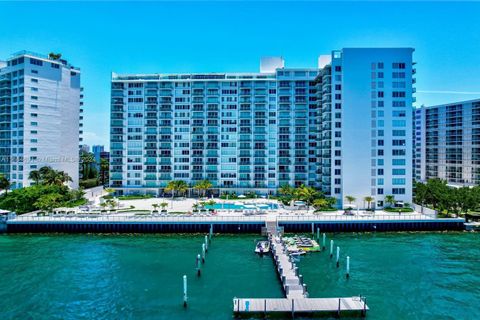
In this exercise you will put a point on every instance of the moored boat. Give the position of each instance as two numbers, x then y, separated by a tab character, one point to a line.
262	247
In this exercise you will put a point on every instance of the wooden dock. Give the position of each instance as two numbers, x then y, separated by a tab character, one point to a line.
296	295
302	305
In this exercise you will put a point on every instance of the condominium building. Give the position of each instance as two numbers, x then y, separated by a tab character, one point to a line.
448	143
344	127
40	104
366	124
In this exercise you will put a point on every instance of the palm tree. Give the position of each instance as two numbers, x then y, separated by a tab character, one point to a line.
103	205
390	199
307	194
368	200
4	184
171	187
286	190
86	161
35	176
202	186
195	207
155	206
182	187
350	199
104	170
163	205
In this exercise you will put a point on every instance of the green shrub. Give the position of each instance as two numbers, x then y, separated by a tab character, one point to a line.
398	209
89	183
40	197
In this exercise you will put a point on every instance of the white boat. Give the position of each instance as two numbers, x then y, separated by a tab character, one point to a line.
262	247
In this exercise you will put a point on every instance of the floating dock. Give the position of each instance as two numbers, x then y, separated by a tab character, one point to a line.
296	295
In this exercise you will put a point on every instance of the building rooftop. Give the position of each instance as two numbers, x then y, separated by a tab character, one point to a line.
42	57
452	103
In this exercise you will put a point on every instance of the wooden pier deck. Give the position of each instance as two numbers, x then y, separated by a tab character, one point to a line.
296	295
302	305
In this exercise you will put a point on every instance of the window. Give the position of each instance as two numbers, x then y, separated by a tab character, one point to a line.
34	106
34	80
380	190
399	123
398	133
380	162
380	181
55	65
398	94
380	172
398	172
398	181
398	152
380	94
398	190
398	162
34	71
398	65
36	62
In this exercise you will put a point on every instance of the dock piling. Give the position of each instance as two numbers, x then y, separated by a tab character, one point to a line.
323	242
185	291
198	266
204	249
348	267
331	248
318	234
338	256
206	243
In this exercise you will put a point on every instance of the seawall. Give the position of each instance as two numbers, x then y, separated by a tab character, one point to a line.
225	226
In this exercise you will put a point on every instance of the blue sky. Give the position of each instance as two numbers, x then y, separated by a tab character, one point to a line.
163	37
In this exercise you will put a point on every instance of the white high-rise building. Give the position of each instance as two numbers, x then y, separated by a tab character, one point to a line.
40	105
344	127
366	116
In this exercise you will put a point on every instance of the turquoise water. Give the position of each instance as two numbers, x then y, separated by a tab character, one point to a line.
403	275
233	206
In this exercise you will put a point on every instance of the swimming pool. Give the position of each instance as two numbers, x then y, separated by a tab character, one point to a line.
244	206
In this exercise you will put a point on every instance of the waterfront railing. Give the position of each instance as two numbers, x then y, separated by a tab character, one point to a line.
221	218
